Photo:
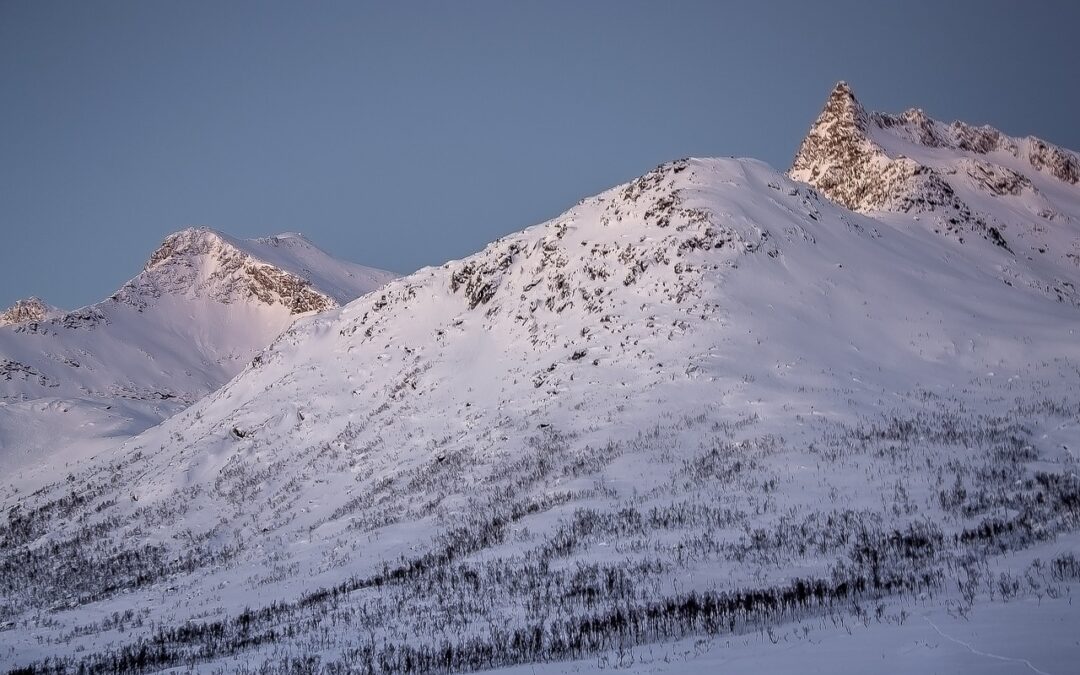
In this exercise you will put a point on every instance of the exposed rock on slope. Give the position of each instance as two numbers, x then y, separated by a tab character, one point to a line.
200	263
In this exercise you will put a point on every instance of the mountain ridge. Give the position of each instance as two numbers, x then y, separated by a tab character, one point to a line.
202	306
1019	195
701	407
844	125
708	379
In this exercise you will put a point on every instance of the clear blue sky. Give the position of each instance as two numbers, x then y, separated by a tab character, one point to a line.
405	134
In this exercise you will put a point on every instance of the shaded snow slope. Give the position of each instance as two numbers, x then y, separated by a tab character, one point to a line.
203	305
706	402
1020	196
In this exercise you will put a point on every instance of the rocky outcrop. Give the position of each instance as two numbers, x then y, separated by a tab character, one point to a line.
202	263
842	157
28	310
966	182
1061	164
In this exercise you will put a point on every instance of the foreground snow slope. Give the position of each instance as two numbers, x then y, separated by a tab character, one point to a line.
203	305
708	402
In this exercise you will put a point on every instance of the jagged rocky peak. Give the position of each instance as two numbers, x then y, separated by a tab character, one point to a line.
843	119
27	310
910	163
874	161
202	262
966	182
843	109
188	242
839	158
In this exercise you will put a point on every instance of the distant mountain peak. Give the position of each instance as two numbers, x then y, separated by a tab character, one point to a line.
192	240
199	261
201	308
28	309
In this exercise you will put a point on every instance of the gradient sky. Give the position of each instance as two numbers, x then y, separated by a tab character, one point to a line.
401	134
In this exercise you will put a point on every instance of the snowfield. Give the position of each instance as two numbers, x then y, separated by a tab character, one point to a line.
706	420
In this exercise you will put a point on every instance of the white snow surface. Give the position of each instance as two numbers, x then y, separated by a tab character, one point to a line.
707	380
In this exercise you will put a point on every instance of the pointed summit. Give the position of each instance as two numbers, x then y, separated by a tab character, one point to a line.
203	306
836	147
842	107
190	241
284	270
968	183
28	309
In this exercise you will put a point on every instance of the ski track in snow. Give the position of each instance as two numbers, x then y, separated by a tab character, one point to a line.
978	652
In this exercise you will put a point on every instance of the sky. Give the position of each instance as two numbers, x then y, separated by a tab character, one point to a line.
405	134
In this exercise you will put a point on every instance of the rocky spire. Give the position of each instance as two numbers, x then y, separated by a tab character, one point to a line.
836	153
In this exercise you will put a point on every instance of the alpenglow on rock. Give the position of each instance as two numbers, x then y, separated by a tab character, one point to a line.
1020	195
27	310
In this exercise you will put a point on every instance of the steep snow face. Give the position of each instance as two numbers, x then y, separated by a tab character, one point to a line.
706	380
203	305
27	310
1020	195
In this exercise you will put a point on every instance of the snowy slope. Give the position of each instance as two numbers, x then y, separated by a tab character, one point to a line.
203	305
971	183
705	403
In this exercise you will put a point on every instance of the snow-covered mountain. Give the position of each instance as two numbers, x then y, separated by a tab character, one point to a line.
966	182
27	310
705	414
201	308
